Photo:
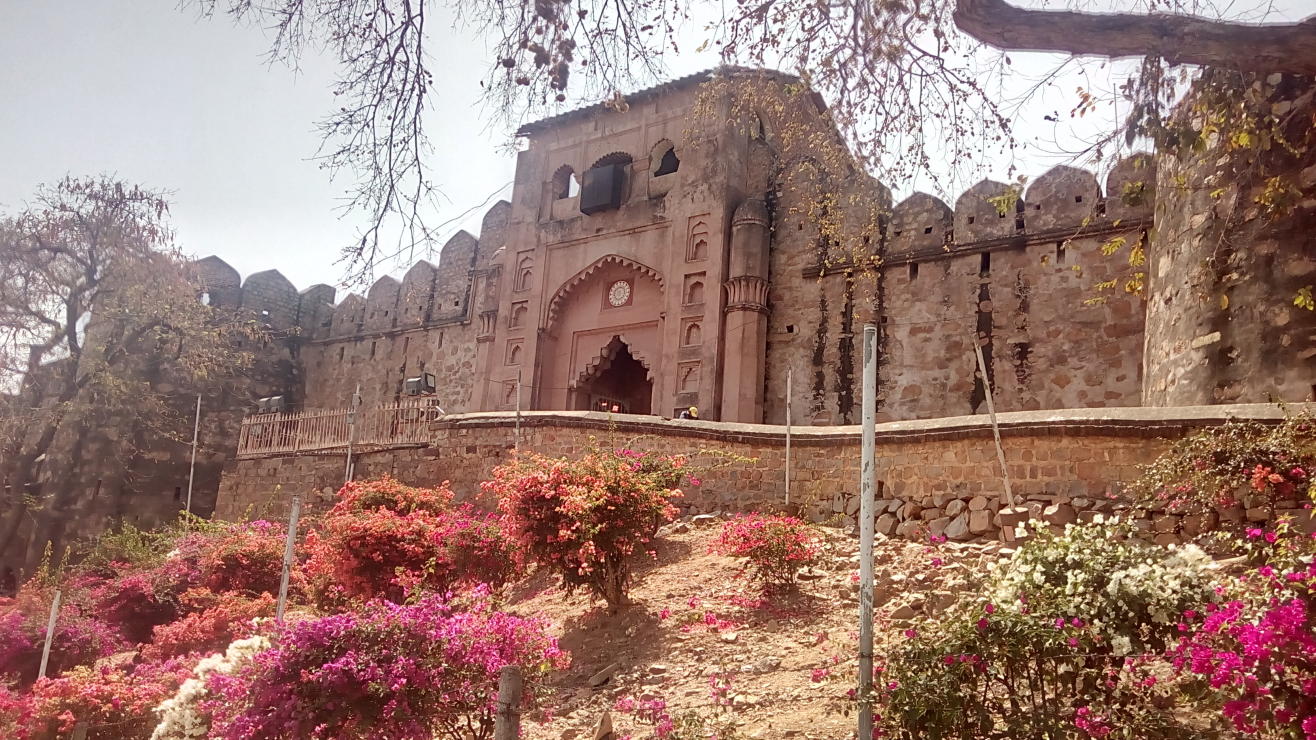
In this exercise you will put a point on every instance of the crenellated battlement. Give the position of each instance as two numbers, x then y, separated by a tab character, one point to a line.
1062	203
427	295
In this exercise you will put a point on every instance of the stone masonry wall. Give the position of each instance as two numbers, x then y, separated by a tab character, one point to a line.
1022	283
935	476
1235	247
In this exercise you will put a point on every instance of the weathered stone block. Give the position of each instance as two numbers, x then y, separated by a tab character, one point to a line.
980	521
958	527
1058	515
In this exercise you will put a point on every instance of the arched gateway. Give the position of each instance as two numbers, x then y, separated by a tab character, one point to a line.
602	345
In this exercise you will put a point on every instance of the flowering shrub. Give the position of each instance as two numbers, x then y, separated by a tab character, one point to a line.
16	712
129	601
118	701
383	539
80	636
182	716
1218	466
775	546
1257	652
585	518
388	493
996	673
246	558
387	671
1130	592
213	621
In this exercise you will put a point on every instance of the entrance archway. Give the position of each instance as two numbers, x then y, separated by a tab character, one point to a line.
617	380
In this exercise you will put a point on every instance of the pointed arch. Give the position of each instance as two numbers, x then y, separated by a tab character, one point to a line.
555	304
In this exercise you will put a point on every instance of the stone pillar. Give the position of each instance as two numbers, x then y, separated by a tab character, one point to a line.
745	326
1225	269
486	395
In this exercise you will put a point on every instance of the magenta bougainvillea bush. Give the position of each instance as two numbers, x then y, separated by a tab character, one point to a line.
775	547
1257	650
587	518
424	670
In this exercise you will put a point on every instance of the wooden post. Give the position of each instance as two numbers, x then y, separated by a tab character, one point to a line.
867	502
789	372
50	633
507	722
351	433
991	412
191	470
287	556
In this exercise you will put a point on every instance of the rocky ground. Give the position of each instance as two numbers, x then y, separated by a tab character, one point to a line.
786	661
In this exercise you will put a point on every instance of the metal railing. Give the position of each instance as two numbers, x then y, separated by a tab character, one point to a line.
393	424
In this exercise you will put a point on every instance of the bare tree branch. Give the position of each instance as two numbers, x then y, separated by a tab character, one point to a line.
1178	39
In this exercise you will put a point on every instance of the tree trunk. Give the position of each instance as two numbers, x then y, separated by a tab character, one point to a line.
1178	39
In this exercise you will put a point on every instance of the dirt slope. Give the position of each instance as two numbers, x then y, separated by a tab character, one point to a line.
789	659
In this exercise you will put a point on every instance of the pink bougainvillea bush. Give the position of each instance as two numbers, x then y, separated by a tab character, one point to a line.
16	713
384	540
244	558
1257	651
776	547
211	622
1239	464
115	701
80	635
388	671
587	518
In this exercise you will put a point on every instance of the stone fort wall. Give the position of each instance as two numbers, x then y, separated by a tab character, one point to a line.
1022	283
939	476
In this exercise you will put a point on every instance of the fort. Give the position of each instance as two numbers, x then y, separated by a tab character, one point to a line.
710	242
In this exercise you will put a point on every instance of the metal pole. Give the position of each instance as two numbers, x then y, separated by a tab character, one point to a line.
867	475
991	412
789	372
50	634
191	471
517	444
507	721
287	556
351	433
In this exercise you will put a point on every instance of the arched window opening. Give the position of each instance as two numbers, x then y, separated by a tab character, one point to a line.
689	379
693	335
524	270
565	184
205	298
668	162
514	355
519	312
604	185
621	158
694	293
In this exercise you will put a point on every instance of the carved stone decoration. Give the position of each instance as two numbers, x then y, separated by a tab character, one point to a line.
747	294
488	321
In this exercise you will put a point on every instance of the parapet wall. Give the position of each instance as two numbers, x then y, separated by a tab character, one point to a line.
940	475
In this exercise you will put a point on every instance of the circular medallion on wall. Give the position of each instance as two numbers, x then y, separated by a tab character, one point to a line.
619	293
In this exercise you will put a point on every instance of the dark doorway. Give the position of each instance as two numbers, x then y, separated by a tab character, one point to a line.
619	380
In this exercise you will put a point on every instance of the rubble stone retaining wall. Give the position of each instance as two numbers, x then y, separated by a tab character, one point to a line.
939	476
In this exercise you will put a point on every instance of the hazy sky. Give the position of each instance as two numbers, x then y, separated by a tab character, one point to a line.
153	95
